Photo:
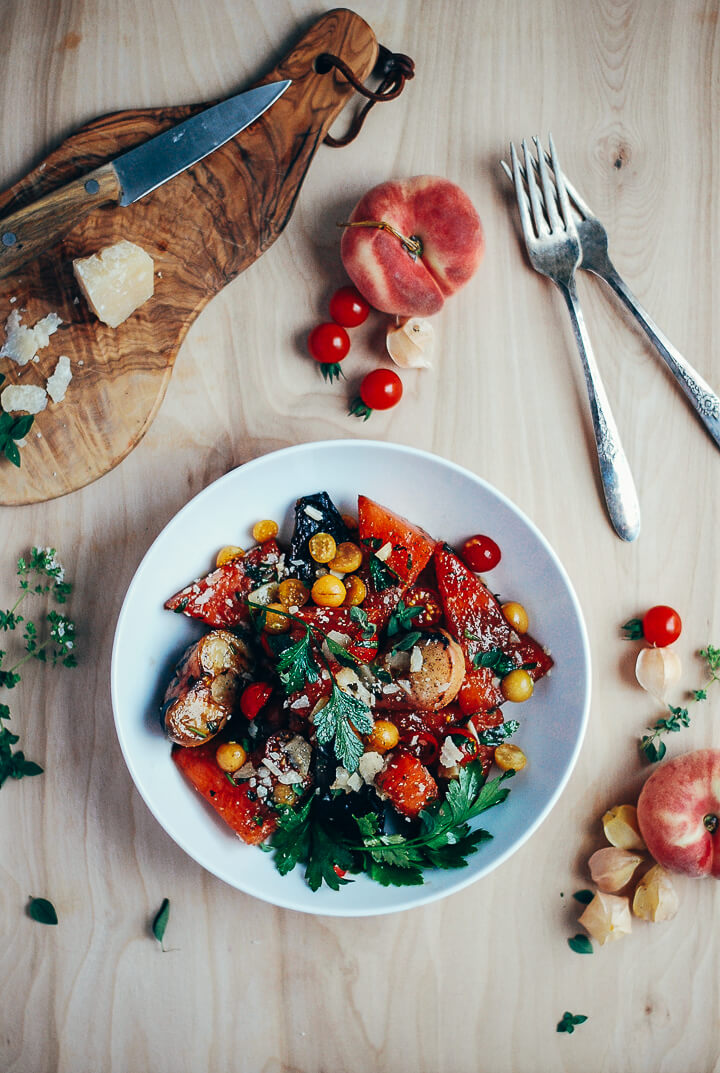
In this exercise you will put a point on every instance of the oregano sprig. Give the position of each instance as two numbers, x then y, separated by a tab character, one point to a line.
650	744
40	574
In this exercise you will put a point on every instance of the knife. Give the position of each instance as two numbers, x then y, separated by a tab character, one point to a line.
30	230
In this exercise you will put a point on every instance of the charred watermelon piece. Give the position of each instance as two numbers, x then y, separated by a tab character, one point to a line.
387	578
313	514
219	598
471	609
251	819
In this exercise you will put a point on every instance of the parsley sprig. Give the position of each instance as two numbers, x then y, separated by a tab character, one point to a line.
39	575
444	839
650	744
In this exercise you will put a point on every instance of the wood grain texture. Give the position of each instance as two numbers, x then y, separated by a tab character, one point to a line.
201	229
477	983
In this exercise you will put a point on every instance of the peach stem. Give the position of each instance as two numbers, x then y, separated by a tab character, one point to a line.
413	244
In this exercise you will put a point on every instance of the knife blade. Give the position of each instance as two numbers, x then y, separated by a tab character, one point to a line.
25	233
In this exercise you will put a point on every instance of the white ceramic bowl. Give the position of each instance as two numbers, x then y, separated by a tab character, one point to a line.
451	503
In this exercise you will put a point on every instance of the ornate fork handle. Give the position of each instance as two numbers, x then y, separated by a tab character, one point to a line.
617	482
699	394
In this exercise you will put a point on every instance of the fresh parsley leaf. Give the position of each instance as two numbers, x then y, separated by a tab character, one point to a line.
42	911
391	875
497	735
633	629
296	665
337	722
580	944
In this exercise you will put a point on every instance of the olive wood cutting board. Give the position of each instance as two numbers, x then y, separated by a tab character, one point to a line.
201	229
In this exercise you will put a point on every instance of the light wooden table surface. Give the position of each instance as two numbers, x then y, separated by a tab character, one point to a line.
478	981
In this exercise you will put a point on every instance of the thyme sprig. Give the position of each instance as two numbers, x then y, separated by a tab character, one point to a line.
41	574
650	744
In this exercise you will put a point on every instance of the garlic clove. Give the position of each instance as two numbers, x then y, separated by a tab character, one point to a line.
658	670
611	868
621	827
607	918
655	896
410	343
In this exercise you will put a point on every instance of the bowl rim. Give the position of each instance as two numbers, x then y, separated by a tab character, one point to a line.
463	879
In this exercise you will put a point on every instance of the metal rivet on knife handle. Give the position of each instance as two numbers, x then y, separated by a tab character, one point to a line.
30	230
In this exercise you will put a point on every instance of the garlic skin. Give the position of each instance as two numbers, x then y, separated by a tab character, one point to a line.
658	670
612	868
410	343
655	896
621	827
607	918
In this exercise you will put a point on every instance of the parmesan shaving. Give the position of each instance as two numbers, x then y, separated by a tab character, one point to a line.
57	384
22	343
25	397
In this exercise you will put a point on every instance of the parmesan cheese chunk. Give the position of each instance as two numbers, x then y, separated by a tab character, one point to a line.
25	397
22	343
115	281
58	382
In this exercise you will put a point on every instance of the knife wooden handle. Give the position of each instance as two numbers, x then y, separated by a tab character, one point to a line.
26	233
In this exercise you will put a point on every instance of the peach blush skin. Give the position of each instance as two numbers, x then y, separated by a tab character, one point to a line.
432	209
679	813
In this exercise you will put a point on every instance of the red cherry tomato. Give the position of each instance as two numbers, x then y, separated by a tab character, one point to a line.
468	744
423	744
339	872
381	389
429	600
661	626
481	553
328	343
254	698
348	307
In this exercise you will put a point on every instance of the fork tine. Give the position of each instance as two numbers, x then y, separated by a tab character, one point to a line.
506	169
522	199
582	206
548	188
540	223
560	185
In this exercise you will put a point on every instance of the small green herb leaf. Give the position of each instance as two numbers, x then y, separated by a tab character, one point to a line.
494	736
580	944
160	922
569	1021
633	629
41	910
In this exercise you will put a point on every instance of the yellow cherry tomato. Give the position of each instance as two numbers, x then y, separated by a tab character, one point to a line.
293	593
355	589
265	530
228	553
517	686
510	757
516	615
348	557
328	591
322	547
276	623
383	736
230	756
283	795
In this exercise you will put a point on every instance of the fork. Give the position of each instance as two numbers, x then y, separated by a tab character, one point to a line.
595	258
553	247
